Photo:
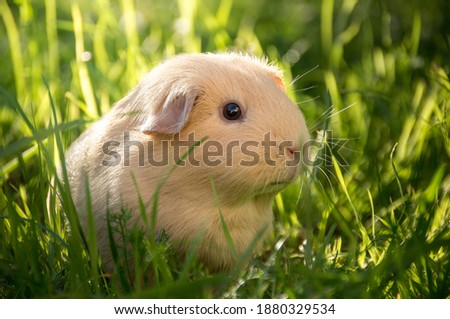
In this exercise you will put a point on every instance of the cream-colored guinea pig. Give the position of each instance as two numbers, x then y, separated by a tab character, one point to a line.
254	136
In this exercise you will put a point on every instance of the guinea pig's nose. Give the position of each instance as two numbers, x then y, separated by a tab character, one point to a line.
292	153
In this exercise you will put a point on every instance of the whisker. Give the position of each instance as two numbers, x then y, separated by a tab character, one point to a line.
342	147
344	139
305	89
328	114
325	169
308	100
344	109
300	191
298	77
328	180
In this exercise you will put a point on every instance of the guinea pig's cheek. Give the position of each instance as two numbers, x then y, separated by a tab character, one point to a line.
292	172
285	173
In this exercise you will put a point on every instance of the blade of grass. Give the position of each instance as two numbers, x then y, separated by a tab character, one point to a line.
14	42
83	73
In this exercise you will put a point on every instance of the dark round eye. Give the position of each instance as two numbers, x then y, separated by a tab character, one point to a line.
232	111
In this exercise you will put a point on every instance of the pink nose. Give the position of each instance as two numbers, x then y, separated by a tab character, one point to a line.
291	152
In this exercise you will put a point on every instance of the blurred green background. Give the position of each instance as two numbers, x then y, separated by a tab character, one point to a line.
373	72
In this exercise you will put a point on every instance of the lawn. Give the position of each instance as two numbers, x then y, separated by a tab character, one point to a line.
370	220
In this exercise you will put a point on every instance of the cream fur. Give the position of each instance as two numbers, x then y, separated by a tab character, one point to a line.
197	86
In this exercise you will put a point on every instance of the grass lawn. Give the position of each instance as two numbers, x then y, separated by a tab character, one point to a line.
370	220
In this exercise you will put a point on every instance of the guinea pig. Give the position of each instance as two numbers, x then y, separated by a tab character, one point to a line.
248	136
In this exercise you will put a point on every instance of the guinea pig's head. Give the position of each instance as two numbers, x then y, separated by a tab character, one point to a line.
254	132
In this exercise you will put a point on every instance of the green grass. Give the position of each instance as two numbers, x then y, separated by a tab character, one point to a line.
372	220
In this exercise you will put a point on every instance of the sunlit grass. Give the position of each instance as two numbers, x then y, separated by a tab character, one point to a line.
372	220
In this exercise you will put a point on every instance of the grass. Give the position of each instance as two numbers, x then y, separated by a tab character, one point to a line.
371	221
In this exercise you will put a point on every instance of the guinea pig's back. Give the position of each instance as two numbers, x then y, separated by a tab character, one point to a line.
82	162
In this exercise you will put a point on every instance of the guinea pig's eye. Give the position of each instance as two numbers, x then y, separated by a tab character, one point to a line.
232	111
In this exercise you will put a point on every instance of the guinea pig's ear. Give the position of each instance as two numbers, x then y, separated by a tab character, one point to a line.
172	115
279	82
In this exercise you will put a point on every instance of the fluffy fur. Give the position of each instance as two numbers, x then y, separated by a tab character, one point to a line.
186	94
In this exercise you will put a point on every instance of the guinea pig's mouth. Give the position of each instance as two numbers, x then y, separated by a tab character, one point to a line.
282	181
280	184
290	175
274	187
